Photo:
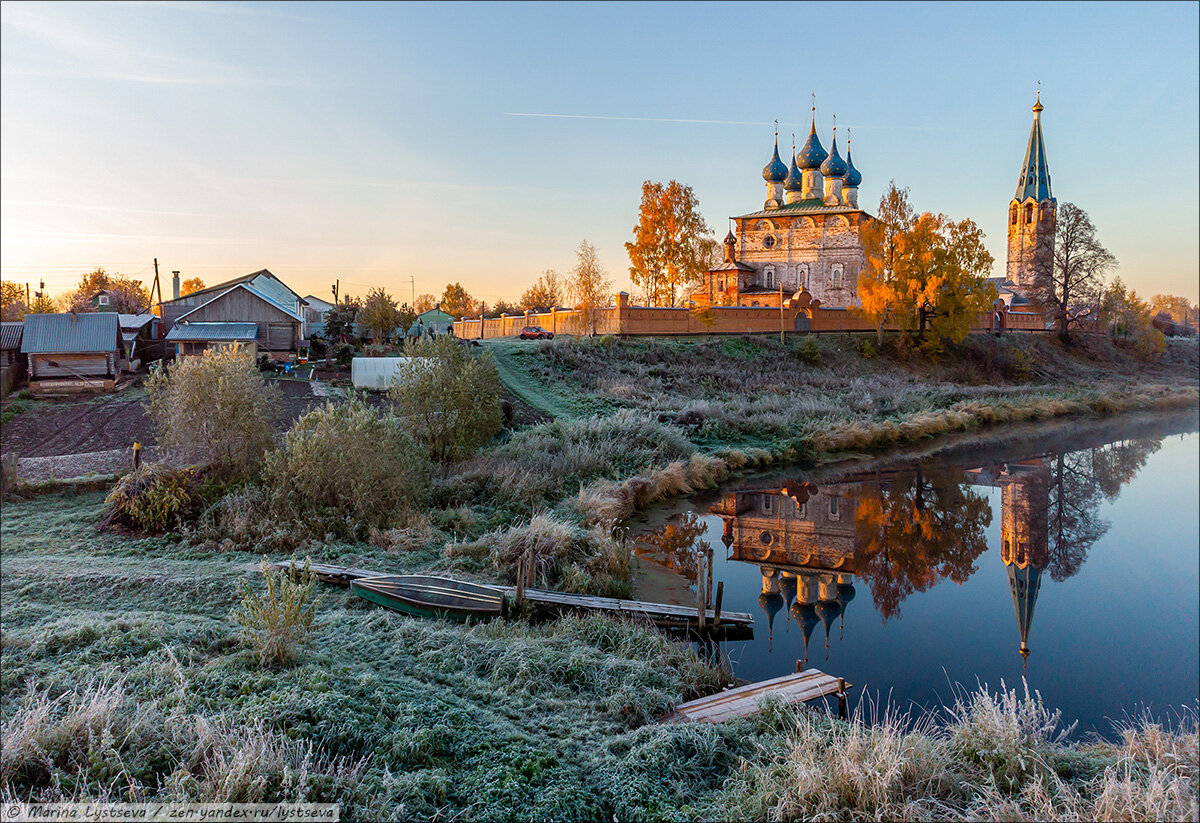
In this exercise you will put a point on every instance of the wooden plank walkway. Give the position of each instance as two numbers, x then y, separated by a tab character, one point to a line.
683	619
809	684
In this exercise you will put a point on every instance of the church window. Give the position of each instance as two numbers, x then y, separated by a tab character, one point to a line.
769	241
835	276
802	275
1029	213
833	508
770	278
1012	213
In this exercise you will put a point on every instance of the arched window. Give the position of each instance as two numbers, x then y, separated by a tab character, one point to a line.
1012	214
1028	212
770	278
836	276
802	275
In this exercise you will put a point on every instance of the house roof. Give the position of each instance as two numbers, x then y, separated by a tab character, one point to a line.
71	333
213	331
811	206
317	303
136	321
257	292
10	335
276	285
435	316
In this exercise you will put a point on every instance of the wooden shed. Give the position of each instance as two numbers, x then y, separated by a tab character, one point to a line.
12	361
196	338
72	352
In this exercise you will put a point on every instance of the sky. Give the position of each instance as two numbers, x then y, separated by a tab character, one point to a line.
411	145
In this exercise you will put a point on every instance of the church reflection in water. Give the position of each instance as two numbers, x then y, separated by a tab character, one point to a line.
898	530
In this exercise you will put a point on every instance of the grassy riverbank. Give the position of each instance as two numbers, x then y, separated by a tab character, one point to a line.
124	678
122	675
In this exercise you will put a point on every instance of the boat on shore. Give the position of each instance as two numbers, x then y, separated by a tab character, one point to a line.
429	596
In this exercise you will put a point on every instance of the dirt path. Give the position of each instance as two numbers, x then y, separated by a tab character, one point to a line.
524	386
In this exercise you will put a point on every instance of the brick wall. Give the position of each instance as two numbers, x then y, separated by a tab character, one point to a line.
625	319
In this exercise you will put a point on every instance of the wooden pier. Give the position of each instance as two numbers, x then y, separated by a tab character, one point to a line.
809	684
683	620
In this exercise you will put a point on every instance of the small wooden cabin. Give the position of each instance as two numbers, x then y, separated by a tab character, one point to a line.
142	340
73	352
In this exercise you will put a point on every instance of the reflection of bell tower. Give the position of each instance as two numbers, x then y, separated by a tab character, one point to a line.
1024	504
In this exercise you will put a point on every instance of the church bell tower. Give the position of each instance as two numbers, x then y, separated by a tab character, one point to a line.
1032	212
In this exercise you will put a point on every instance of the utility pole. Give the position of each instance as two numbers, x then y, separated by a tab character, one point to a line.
156	289
412	282
336	283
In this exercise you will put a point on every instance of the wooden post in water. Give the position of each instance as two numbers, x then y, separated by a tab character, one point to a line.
700	604
843	713
717	612
708	566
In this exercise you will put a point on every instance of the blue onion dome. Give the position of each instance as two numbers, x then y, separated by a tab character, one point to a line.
812	155
794	181
834	165
775	171
853	177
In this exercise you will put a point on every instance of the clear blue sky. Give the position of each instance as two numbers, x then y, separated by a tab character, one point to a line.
378	142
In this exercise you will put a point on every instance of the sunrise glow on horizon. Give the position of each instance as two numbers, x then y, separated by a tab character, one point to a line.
481	143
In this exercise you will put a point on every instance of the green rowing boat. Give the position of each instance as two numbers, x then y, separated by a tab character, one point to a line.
427	596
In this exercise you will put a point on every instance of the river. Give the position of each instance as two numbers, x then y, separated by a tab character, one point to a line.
1063	553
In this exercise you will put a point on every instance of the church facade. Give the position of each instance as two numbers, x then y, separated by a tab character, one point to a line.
806	235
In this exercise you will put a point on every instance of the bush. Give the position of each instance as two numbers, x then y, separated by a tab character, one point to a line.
348	459
155	498
343	355
564	556
214	409
282	618
866	348
809	352
450	398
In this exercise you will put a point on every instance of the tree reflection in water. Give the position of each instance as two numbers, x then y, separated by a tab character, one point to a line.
676	544
915	527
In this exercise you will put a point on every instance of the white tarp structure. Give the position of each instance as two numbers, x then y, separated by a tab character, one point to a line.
382	373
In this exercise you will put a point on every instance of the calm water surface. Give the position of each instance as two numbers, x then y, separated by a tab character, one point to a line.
1065	555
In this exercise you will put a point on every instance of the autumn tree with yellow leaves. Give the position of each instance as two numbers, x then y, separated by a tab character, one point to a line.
924	273
672	245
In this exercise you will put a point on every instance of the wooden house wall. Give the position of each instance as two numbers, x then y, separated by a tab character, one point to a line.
242	306
91	364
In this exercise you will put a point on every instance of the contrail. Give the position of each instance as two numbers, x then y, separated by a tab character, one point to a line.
637	119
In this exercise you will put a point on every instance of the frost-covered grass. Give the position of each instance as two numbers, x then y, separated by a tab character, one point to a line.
123	676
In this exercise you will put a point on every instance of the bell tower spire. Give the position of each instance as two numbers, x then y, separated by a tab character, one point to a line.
1033	210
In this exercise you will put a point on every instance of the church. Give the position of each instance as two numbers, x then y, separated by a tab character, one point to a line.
805	235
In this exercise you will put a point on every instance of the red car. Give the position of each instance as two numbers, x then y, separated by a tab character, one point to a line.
536	333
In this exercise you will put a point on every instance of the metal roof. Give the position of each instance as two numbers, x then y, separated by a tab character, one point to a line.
213	331
1034	181
259	293
812	206
136	321
10	335
72	333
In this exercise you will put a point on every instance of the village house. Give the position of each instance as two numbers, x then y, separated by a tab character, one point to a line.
218	316
73	352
